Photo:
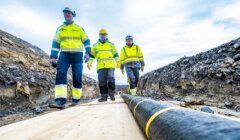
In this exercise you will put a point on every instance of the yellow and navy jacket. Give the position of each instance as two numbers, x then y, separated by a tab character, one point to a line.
131	56
105	53
69	38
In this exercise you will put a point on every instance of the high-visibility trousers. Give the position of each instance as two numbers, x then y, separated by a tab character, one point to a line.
133	78
65	60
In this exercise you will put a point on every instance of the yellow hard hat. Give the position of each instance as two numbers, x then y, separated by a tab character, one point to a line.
103	31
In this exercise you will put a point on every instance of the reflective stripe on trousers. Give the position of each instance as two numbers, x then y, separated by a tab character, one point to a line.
133	91
60	91
76	93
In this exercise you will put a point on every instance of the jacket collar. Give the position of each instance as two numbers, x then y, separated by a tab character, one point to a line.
130	46
99	40
67	23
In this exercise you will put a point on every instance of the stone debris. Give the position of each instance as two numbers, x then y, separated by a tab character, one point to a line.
212	76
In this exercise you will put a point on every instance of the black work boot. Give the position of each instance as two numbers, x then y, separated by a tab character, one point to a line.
75	102
59	103
102	99
56	105
112	98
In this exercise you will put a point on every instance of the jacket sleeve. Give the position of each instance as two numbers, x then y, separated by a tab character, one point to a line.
86	41
56	44
140	56
122	58
92	53
115	53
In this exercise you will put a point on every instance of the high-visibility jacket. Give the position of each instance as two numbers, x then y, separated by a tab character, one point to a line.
69	38
105	53
131	55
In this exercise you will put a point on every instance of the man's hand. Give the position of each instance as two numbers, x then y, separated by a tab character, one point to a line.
86	57
89	65
142	68
54	61
123	71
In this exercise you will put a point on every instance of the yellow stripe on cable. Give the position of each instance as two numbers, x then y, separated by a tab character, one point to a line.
155	115
137	106
131	101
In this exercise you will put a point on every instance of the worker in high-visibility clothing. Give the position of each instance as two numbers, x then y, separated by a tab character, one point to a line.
106	54
69	41
131	58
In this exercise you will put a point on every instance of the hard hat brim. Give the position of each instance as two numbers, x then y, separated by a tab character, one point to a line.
73	13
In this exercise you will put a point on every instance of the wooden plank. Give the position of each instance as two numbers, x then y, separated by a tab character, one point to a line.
101	121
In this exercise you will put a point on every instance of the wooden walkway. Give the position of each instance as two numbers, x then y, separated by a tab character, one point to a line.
91	121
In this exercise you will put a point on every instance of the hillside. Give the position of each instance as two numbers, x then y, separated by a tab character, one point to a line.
27	78
212	77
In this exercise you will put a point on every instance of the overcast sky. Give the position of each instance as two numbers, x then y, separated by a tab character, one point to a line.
166	30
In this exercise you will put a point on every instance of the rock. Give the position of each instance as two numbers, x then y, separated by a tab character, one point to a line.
38	109
236	57
237	108
191	101
229	81
32	79
23	88
13	67
225	70
235	64
228	104
220	51
237	45
1	114
207	109
8	40
228	60
31	68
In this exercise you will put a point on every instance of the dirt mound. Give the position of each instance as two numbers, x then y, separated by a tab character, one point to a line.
212	76
27	78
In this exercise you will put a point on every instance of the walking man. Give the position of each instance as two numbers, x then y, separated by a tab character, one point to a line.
69	41
131	58
106	54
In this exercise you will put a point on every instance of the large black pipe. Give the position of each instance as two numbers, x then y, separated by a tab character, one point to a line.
161	121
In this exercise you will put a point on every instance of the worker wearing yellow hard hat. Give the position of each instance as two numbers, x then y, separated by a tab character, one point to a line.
106	54
131	58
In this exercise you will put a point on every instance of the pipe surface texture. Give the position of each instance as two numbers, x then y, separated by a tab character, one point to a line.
162	121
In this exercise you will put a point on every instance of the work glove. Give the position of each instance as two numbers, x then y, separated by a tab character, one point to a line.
53	62
86	57
142	68
118	64
89	65
123	71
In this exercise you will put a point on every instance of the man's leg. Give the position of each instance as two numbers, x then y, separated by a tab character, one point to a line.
61	80
77	78
131	78
136	75
111	83
102	79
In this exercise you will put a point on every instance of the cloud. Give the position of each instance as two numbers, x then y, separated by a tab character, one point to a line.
28	24
165	30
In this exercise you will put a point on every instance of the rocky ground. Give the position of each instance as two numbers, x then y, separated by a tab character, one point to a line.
210	78
27	80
